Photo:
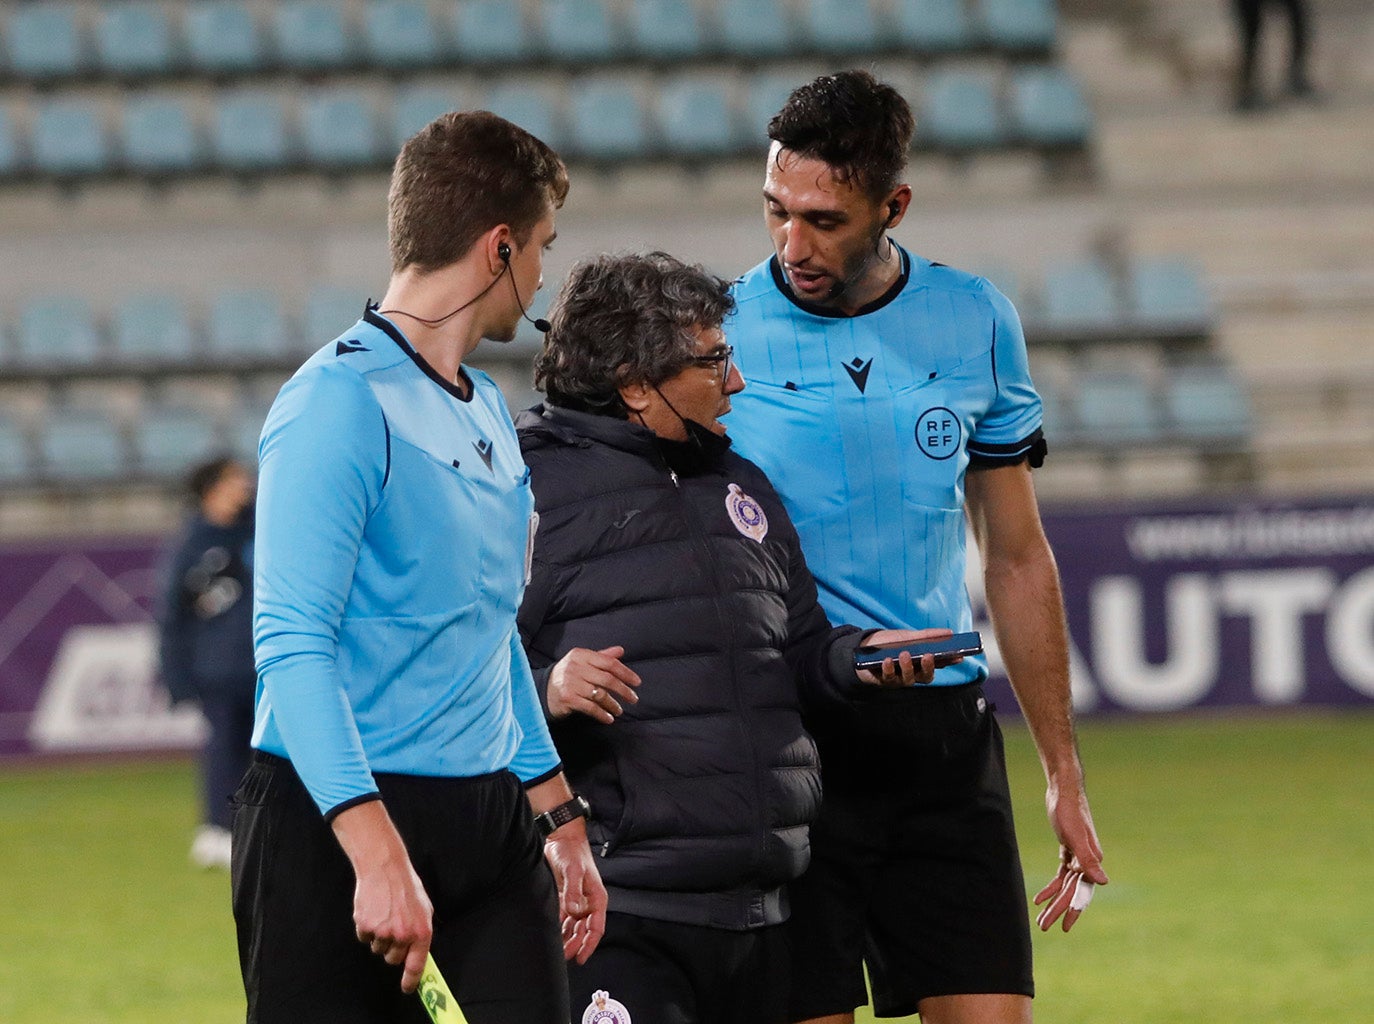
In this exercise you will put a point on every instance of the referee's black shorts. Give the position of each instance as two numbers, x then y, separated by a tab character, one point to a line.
472	842
914	865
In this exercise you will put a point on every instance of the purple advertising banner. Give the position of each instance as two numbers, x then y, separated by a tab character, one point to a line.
1218	604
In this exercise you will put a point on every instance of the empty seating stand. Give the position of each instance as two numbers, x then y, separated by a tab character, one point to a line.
81	446
170	440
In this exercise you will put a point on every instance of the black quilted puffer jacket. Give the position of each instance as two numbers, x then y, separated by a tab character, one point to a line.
702	792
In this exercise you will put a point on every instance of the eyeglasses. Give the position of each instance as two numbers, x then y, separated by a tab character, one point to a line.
721	358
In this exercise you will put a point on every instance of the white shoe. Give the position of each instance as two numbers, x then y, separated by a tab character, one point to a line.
211	847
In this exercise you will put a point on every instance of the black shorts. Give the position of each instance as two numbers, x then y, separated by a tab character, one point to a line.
667	973
472	842
914	864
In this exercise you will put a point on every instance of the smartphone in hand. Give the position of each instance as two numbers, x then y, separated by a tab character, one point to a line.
946	650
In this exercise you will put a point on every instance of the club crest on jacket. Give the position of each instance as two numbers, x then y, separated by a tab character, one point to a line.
746	514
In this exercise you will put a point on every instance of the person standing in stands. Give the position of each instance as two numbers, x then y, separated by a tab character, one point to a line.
1249	16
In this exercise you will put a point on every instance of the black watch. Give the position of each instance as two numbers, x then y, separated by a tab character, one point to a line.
549	820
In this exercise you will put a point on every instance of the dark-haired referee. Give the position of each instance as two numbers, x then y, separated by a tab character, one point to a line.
888	397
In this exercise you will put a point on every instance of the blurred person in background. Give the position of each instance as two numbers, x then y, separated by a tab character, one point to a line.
674	632
205	632
1249	16
889	397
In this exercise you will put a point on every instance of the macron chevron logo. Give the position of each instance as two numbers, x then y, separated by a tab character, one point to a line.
484	450
343	348
858	372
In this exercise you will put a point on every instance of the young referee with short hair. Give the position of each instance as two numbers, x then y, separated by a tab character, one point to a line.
400	744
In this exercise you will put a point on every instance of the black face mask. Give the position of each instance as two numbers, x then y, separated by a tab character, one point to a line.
701	452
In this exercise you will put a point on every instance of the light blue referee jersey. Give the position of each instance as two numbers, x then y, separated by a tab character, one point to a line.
866	425
394	521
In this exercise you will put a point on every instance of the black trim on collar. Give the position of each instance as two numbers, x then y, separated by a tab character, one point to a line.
371	316
780	280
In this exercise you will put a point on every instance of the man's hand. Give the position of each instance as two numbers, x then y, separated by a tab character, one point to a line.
590	682
1080	858
581	896
902	670
391	910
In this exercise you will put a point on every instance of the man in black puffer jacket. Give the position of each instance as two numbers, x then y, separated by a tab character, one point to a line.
674	632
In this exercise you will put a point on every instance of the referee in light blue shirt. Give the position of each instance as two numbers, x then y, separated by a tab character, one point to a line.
404	779
888	397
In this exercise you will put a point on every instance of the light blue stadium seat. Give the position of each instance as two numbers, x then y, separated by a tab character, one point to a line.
1080	295
1018	25
152	328
1004	278
490	31
1169	295
311	35
245	428
840	26
575	31
339	129
400	34
223	37
695	119
69	138
16	452
756	28
764	94
1057	421
1207	404
44	41
1048	107
250	132
160	137
933	26
607	120
666	29
531	107
1116	408
247	324
417	106
170	440
329	311
82	446
960	110
57	330
11	156
134	39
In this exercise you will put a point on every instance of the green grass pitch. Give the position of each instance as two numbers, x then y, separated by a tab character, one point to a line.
1241	853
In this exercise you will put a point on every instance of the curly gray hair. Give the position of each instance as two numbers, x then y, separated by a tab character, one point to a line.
622	319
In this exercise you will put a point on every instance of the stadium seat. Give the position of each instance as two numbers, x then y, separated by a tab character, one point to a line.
960	111
764	94
1207	404
339	129
489	32
11	156
1168	296
134	39
170	440
245	428
223	38
666	29
250	132
69	139
756	28
16	455
417	106
932	26
695	119
400	34
1057	415
1004	278
1079	296
311	35
57	330
1048	108
840	26
247	324
607	120
79	445
44	41
531	107
576	31
152	328
159	136
329	311
1018	26
1115	408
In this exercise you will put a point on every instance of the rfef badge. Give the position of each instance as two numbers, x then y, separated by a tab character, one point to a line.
605	1010
746	514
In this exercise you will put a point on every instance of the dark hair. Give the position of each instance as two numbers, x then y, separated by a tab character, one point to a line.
460	176
621	319
203	477
858	125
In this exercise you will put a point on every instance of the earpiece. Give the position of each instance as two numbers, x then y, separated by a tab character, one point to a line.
503	252
893	208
